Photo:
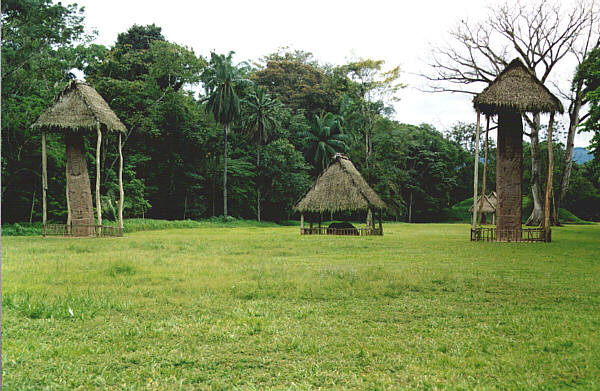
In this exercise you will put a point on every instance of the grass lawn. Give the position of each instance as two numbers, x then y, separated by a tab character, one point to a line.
221	307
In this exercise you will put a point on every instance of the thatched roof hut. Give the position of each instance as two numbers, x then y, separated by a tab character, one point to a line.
489	203
516	89
79	107
339	188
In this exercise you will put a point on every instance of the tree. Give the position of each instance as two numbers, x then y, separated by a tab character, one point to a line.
374	89
323	140
542	34
39	49
222	81
588	76
261	117
287	173
298	82
144	80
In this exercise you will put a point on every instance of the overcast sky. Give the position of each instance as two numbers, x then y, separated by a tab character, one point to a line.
399	32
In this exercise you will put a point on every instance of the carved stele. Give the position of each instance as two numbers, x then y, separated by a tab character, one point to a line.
509	176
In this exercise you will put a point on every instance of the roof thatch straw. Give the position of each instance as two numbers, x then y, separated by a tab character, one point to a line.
339	188
490	203
517	89
79	107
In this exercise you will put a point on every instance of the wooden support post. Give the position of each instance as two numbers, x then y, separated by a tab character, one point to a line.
380	223
44	183
69	217
485	163
302	223
476	174
549	180
121	192
98	205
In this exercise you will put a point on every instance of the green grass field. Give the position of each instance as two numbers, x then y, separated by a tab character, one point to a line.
261	307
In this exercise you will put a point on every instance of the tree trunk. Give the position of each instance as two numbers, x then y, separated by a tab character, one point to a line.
367	148
485	163
509	174
121	192
537	215
44	183
573	124
410	208
476	171
98	204
69	217
258	182
78	181
32	206
549	180
185	205
225	129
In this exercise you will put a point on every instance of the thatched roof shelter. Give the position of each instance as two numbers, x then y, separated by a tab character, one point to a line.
516	89
489	203
79	107
339	188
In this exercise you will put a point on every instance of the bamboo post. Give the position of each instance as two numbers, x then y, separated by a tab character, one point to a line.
485	163
44	183
69	217
121	192
98	205
549	180
302	223
476	174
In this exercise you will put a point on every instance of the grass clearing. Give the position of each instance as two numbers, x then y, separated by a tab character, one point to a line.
257	307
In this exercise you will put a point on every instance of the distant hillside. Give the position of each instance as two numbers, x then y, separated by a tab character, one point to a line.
581	155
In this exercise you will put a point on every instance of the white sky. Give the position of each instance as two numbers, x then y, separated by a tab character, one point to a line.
399	32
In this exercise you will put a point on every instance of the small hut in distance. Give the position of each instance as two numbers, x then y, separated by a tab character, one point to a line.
486	205
78	109
340	188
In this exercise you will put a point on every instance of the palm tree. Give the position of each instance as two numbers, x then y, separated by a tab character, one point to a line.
324	139
221	81
261	117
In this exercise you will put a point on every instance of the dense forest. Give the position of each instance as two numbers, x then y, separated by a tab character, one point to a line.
275	121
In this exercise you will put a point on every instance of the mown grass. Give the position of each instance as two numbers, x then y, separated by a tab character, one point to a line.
262	307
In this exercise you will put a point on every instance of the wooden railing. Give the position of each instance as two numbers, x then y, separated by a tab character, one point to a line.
342	231
81	230
492	234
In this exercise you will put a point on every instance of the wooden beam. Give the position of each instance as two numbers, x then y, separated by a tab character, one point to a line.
550	176
476	173
485	163
302	222
69	216
44	182
98	204
121	192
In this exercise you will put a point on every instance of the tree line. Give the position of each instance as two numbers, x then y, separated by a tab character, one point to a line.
214	137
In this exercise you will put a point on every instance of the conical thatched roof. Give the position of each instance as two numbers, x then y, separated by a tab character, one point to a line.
489	203
516	89
339	188
79	106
